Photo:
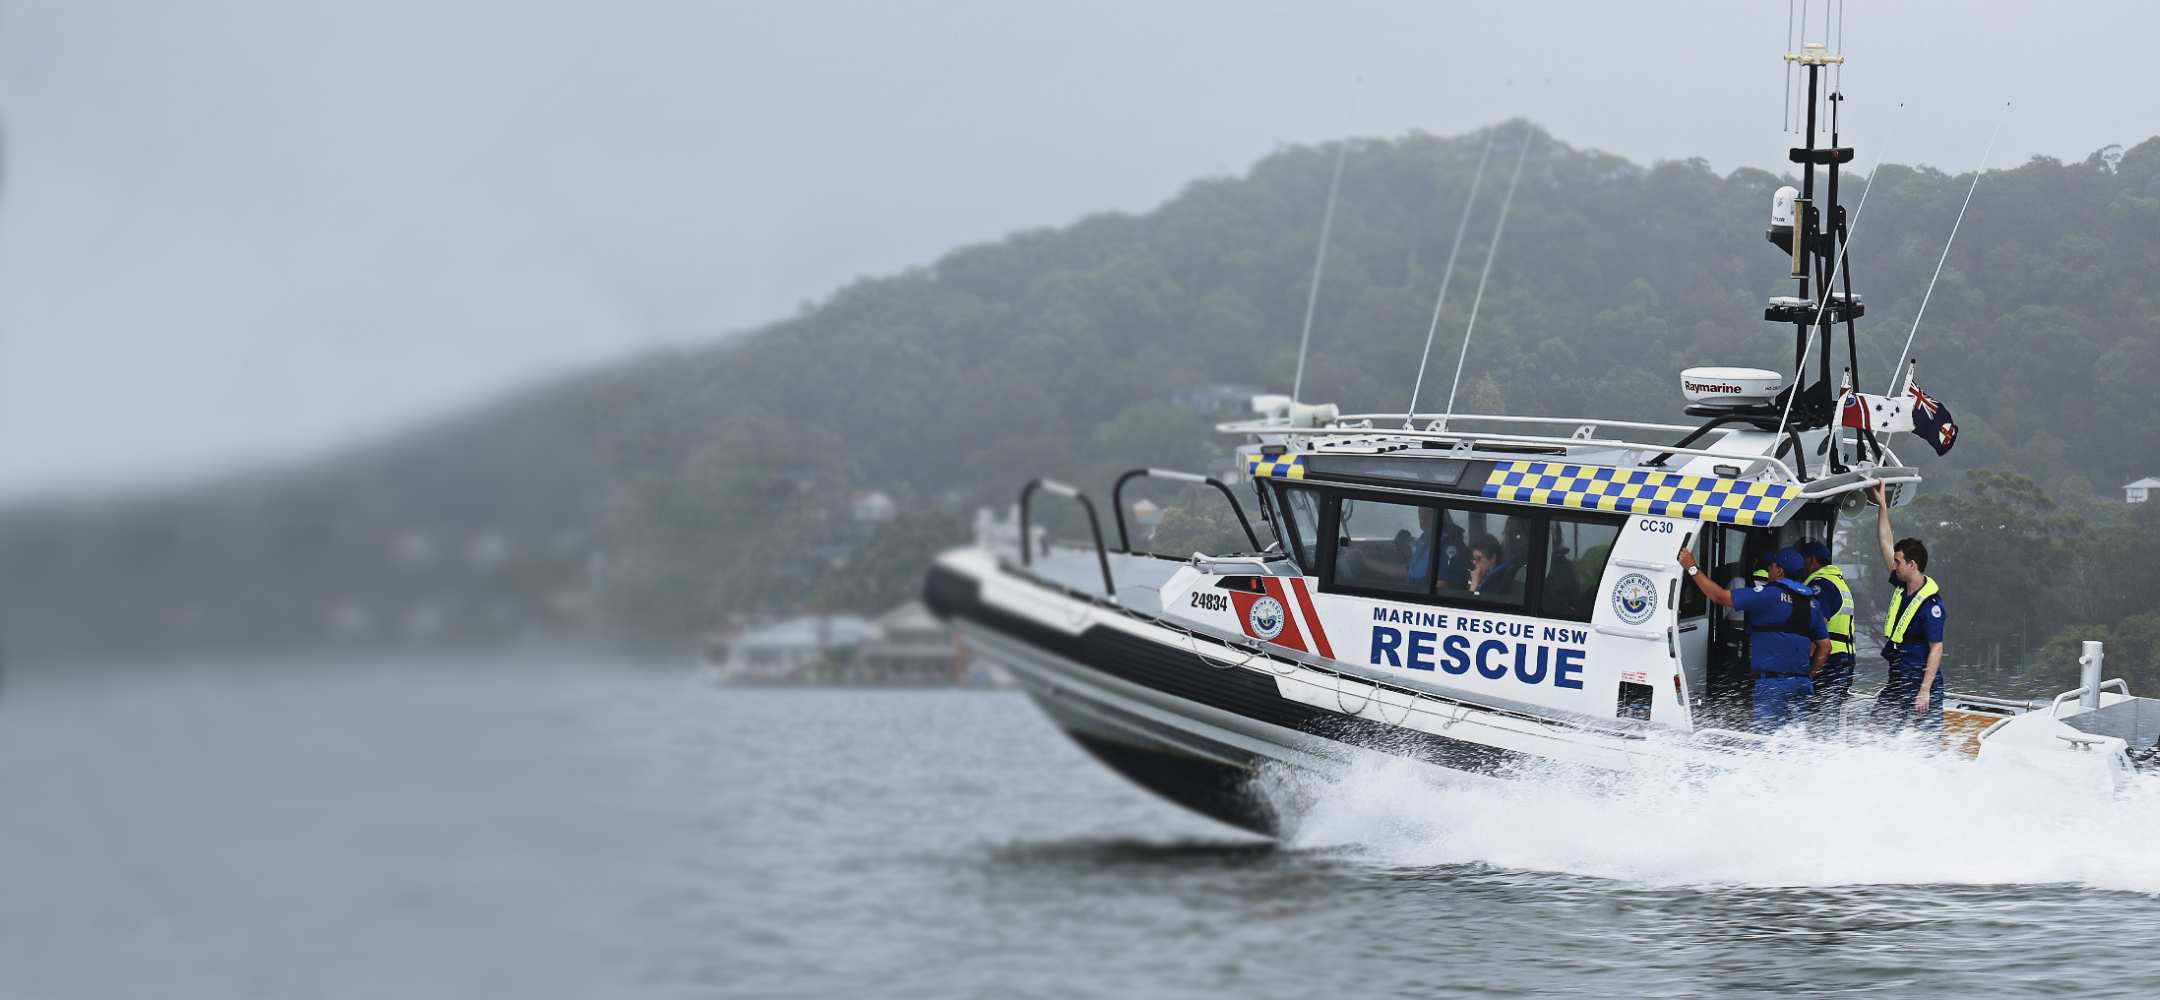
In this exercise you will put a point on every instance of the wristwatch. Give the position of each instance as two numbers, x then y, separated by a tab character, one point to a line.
1693	570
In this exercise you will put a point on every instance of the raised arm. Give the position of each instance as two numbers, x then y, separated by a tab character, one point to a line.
1717	594
1883	536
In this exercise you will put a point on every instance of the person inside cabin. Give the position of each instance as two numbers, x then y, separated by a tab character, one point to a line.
1834	596
1454	560
1563	599
1734	575
1412	570
1514	554
1487	567
1912	694
1787	640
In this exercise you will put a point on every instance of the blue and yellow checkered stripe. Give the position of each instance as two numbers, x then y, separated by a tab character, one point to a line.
1278	467
1639	491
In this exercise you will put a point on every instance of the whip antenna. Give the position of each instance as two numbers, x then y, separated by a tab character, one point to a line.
1312	298
1894	371
1448	275
1490	253
1788	66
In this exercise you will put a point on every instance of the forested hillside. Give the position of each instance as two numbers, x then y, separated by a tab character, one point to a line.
644	502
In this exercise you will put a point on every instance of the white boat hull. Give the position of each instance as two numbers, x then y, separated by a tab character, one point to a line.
1198	718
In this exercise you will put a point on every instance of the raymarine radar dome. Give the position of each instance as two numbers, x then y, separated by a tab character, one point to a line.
1730	386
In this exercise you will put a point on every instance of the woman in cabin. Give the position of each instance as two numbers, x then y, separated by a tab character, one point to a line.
1488	569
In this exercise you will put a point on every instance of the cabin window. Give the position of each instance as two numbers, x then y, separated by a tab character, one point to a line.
1390	546
1301	526
1693	603
1391	549
1576	552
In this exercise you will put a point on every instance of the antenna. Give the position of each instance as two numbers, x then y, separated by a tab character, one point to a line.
1787	126
1907	351
1312	298
1448	275
1802	23
1490	253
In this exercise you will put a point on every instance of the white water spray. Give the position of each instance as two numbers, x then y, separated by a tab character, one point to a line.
1834	815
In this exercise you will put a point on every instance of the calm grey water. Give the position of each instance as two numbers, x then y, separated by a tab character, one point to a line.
563	830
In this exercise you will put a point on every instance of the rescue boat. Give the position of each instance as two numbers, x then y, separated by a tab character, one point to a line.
1351	623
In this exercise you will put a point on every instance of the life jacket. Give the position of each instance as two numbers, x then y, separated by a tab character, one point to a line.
1840	624
1798	621
1902	613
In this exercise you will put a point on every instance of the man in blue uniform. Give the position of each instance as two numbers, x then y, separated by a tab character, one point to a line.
1454	571
1834	681
1787	642
1912	694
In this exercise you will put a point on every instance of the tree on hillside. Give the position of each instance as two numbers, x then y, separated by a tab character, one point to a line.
2003	556
887	568
2027	583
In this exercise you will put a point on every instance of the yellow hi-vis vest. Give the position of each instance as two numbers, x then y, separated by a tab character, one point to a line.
1840	624
1901	613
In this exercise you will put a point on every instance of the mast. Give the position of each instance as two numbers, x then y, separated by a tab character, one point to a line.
1816	239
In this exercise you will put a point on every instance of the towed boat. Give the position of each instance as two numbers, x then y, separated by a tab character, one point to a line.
1492	595
2087	735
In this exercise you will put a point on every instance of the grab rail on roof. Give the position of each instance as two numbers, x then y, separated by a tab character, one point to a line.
1439	421
1746	463
1770	463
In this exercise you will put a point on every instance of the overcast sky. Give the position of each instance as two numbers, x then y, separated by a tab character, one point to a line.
235	231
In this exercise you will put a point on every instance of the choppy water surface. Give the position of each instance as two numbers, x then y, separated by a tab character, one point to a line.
553	830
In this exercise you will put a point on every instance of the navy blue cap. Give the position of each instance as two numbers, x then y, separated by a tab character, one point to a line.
1789	561
1820	551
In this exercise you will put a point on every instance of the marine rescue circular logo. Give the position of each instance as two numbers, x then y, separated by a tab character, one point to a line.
1265	618
1634	598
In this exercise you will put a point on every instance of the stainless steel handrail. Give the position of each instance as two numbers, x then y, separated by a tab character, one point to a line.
1505	419
2025	706
1117	501
1769	462
1102	552
1203	561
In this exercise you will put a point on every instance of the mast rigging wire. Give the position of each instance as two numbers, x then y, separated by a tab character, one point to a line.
1448	276
1312	298
1898	369
1490	253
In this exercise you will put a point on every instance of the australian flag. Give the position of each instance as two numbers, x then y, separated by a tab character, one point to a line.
1932	420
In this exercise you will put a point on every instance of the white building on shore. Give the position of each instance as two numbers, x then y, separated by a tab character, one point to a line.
787	650
907	646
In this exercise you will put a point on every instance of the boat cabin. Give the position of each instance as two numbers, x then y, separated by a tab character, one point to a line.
1536	575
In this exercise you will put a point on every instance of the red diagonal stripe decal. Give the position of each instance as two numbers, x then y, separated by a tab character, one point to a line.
1312	617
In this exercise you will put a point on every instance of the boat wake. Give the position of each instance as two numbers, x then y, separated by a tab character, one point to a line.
1834	815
